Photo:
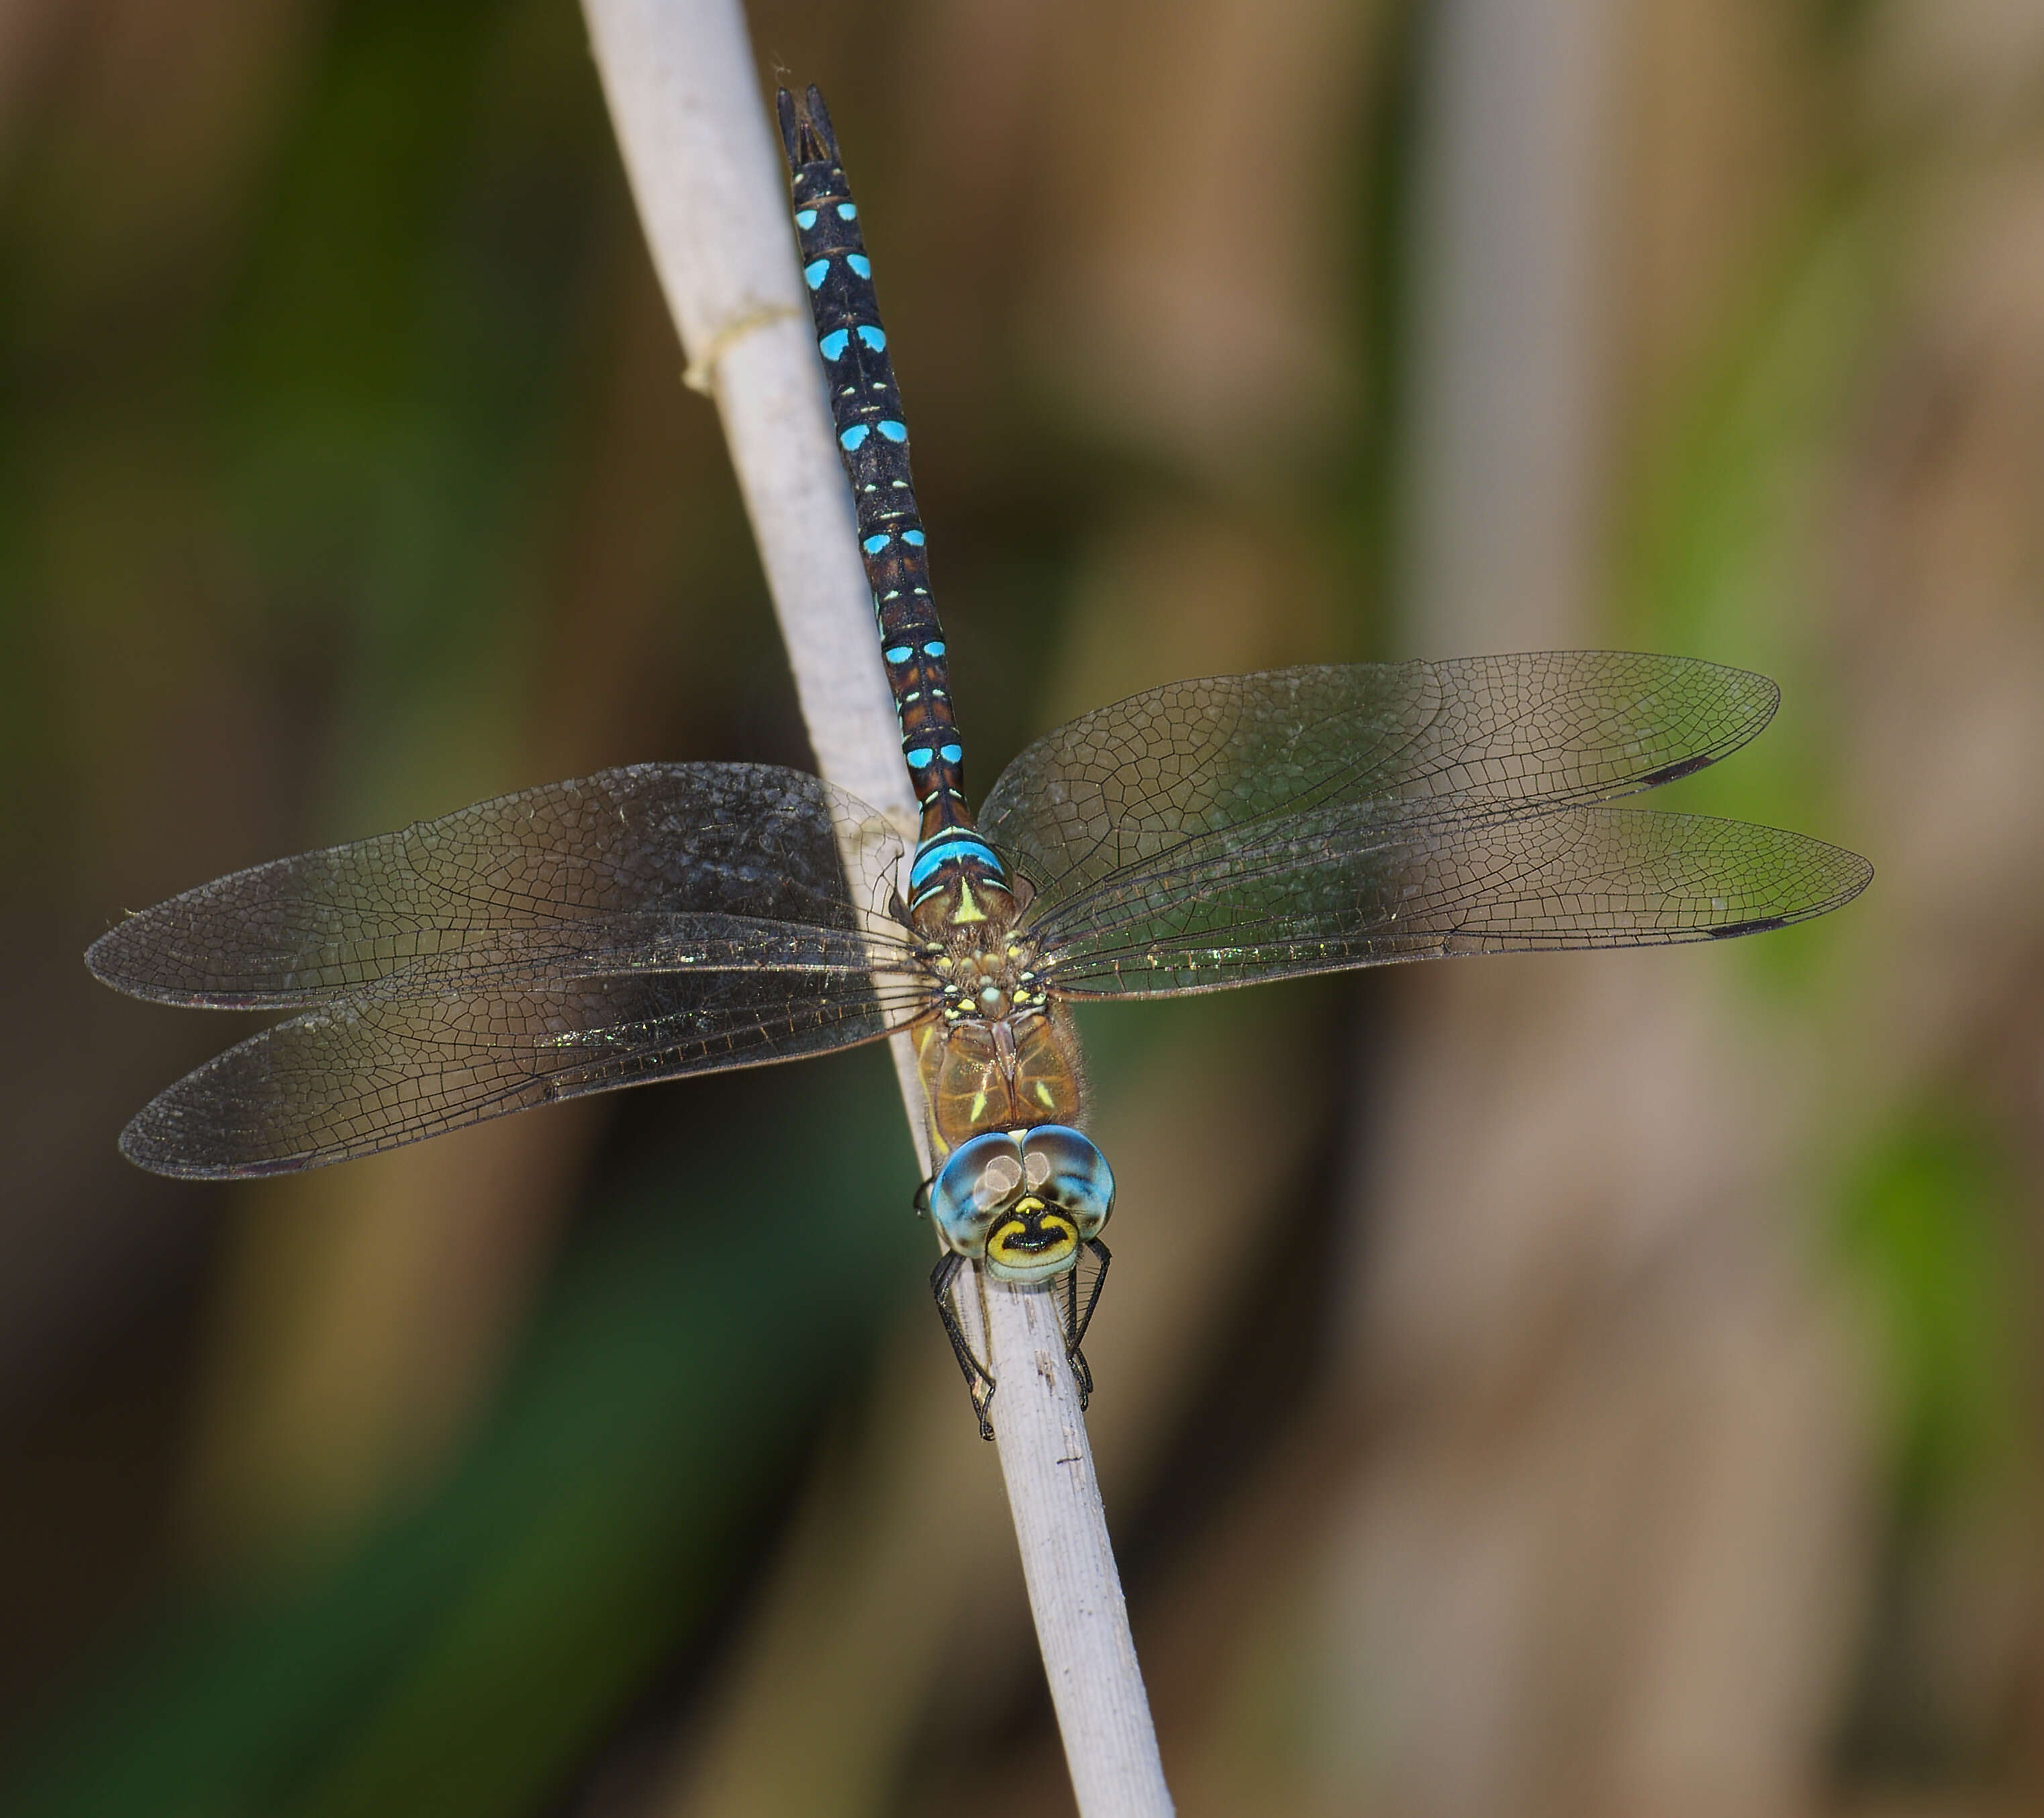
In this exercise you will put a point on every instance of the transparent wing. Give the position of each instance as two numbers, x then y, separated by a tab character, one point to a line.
636	925
741	840
445	1042
1344	886
1126	785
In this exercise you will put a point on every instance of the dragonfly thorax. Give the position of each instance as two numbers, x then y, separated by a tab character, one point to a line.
999	1054
991	983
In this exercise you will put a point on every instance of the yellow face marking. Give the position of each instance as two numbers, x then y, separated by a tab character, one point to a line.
1056	1238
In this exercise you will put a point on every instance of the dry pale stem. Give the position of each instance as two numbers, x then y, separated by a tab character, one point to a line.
680	78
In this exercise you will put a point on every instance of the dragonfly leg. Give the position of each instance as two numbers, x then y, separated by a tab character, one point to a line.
1079	1302
944	1283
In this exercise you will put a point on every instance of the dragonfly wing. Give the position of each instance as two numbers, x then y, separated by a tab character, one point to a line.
1126	784
446	1043
744	840
1344	886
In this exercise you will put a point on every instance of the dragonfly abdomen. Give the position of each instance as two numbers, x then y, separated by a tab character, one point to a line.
954	869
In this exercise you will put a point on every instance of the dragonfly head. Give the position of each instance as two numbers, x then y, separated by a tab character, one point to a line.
1023	1201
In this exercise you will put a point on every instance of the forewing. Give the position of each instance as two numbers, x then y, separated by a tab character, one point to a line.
743	839
1343	887
639	924
1126	785
447	1042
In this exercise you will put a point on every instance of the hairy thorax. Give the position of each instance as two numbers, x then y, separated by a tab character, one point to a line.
999	1053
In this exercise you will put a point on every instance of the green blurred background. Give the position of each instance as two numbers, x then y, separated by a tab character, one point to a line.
1605	1384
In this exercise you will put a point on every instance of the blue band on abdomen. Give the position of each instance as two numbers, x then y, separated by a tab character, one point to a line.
953	843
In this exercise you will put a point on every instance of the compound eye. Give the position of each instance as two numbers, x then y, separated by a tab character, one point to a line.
981	1177
998	1180
1062	1167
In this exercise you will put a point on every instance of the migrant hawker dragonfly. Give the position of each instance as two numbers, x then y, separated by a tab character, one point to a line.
669	919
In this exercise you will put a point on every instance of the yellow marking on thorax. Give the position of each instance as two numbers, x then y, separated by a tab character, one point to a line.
968	910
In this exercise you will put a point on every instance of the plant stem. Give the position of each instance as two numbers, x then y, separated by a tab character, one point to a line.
680	79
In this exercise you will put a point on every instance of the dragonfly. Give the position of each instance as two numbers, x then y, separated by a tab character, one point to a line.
663	920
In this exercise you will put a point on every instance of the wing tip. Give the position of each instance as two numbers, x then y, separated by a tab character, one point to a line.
126	958
181	1134
1751	705
1852	874
121	962
151	1147
103	958
152	1143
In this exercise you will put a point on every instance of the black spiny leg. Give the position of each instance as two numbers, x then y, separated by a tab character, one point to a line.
943	1284
1079	1303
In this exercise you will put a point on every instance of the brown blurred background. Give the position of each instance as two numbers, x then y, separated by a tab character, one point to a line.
1599	1385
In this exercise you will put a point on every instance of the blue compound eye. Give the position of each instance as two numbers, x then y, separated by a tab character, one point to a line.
1063	1166
982	1176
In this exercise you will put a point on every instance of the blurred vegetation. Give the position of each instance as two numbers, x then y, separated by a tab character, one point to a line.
589	1529
346	476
